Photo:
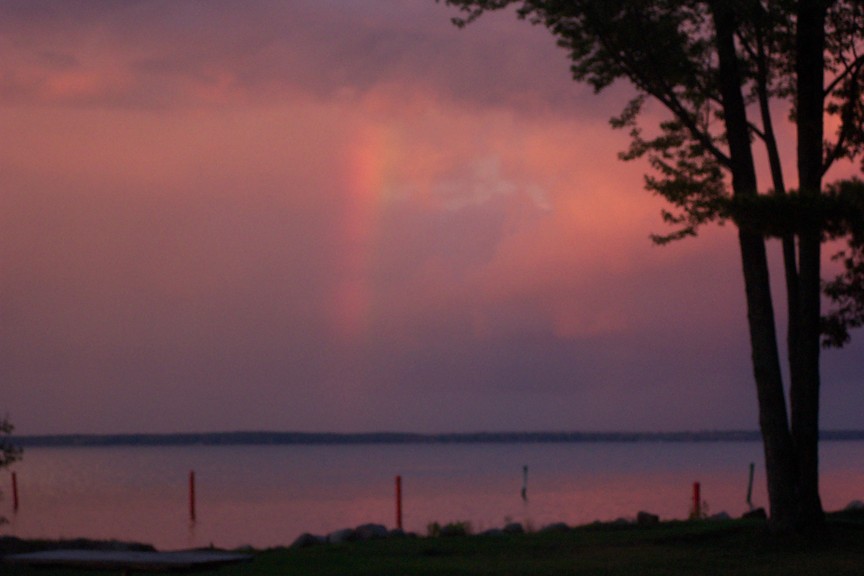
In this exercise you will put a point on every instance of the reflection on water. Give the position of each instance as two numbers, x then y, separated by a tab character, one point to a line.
268	495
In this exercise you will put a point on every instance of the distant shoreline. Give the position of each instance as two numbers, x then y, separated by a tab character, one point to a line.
312	438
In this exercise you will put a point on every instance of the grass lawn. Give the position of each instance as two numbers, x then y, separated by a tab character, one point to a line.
729	547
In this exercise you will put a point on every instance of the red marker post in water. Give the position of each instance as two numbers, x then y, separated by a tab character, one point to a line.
697	500
399	502
192	495
14	492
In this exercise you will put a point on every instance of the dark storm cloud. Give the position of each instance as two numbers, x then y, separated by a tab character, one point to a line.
163	51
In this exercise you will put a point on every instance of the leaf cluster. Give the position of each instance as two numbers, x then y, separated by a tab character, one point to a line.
846	290
836	214
845	92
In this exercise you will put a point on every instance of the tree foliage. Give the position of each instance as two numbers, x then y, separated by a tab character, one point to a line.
847	289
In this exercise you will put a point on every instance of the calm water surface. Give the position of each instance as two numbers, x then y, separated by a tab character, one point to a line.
268	495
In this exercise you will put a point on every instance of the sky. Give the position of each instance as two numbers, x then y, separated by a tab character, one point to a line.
321	215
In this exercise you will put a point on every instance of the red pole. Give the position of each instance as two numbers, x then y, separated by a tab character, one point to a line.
14	492
697	501
399	502
192	495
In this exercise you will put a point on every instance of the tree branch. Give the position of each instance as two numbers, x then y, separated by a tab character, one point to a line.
853	68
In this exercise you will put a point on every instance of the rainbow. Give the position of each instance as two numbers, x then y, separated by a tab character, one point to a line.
370	163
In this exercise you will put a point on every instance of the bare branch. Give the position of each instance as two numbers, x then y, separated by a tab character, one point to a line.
852	68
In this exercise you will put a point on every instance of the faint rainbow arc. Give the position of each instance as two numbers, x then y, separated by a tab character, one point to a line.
370	163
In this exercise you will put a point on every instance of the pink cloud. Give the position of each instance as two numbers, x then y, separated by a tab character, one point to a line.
269	215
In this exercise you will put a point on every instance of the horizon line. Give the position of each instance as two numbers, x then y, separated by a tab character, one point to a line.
271	437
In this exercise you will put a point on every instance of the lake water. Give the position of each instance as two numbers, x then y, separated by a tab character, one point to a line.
267	495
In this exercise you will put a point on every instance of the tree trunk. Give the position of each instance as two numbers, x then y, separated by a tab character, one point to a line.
805	379
780	461
780	464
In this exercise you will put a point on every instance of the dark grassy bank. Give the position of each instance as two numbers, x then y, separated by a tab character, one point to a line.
682	548
729	547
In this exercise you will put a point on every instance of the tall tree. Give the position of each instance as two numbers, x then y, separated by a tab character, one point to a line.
722	69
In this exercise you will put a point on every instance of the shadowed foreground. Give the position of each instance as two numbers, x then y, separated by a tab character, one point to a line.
729	547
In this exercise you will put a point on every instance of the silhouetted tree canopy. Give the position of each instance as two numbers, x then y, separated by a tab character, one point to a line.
724	70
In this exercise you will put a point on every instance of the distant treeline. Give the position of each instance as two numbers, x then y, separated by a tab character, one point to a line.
275	438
